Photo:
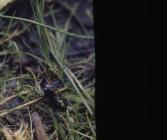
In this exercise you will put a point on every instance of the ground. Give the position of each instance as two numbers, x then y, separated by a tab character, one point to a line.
56	52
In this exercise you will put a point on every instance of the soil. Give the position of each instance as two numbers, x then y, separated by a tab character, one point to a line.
78	49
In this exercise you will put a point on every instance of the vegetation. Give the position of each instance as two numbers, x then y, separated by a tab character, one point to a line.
38	49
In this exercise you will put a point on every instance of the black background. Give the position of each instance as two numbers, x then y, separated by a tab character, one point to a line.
130	70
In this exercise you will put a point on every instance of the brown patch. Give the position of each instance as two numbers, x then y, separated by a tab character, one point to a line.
38	126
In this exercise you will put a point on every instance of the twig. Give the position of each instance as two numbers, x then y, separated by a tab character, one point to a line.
20	107
82	134
14	34
12	97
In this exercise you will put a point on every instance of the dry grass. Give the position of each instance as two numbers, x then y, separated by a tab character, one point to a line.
35	50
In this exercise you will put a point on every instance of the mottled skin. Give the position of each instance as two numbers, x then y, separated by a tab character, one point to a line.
54	100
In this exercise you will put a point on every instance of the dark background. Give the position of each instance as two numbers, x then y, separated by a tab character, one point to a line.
131	75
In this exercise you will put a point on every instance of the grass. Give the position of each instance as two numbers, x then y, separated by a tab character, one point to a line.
30	51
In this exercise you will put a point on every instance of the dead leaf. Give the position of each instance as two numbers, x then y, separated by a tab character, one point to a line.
4	3
39	129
